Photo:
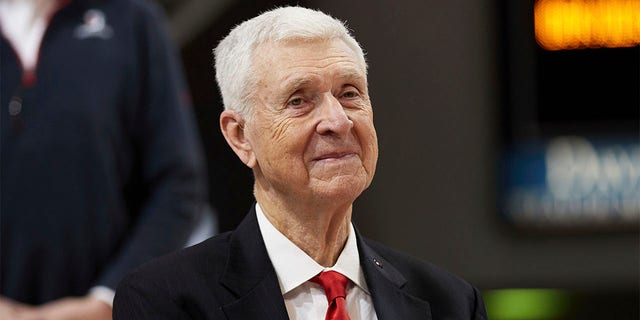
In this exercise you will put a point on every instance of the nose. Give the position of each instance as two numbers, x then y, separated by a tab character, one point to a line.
334	119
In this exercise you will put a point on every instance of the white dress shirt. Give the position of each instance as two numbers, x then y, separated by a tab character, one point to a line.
294	268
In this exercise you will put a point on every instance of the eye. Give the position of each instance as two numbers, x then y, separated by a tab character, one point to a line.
350	94
295	102
350	91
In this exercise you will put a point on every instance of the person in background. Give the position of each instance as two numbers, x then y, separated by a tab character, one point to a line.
100	165
298	113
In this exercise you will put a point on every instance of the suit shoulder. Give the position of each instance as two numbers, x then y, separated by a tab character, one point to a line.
180	285
449	296
422	274
202	259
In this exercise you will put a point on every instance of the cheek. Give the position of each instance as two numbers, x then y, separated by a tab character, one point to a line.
284	139
372	147
369	143
280	130
271	128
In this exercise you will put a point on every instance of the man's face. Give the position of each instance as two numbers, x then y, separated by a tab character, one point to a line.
312	130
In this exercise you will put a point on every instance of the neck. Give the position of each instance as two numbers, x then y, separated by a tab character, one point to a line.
321	231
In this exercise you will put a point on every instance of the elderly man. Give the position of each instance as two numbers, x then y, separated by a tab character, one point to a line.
298	113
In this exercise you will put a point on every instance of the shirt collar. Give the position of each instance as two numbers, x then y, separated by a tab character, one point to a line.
294	267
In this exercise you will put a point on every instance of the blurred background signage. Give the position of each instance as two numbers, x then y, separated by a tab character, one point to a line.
571	151
576	24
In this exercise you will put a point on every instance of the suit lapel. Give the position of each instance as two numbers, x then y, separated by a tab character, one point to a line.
386	287
250	276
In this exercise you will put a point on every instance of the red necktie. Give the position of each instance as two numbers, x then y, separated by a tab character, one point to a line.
334	285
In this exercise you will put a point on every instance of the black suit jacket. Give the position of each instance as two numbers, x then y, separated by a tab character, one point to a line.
230	276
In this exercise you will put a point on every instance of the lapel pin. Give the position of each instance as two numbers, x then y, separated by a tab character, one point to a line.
377	263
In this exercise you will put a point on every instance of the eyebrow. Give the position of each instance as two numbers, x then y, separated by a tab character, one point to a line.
352	74
295	83
299	82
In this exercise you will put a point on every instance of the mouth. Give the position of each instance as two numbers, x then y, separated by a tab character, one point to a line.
335	156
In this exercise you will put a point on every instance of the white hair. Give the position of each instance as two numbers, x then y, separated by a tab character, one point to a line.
234	54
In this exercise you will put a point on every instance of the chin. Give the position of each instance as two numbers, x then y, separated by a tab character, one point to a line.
343	188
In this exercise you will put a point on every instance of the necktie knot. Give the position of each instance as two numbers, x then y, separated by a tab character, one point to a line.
334	284
335	287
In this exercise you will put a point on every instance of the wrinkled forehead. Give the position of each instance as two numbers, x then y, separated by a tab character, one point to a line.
267	55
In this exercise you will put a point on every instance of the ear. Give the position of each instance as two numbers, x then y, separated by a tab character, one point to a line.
232	126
